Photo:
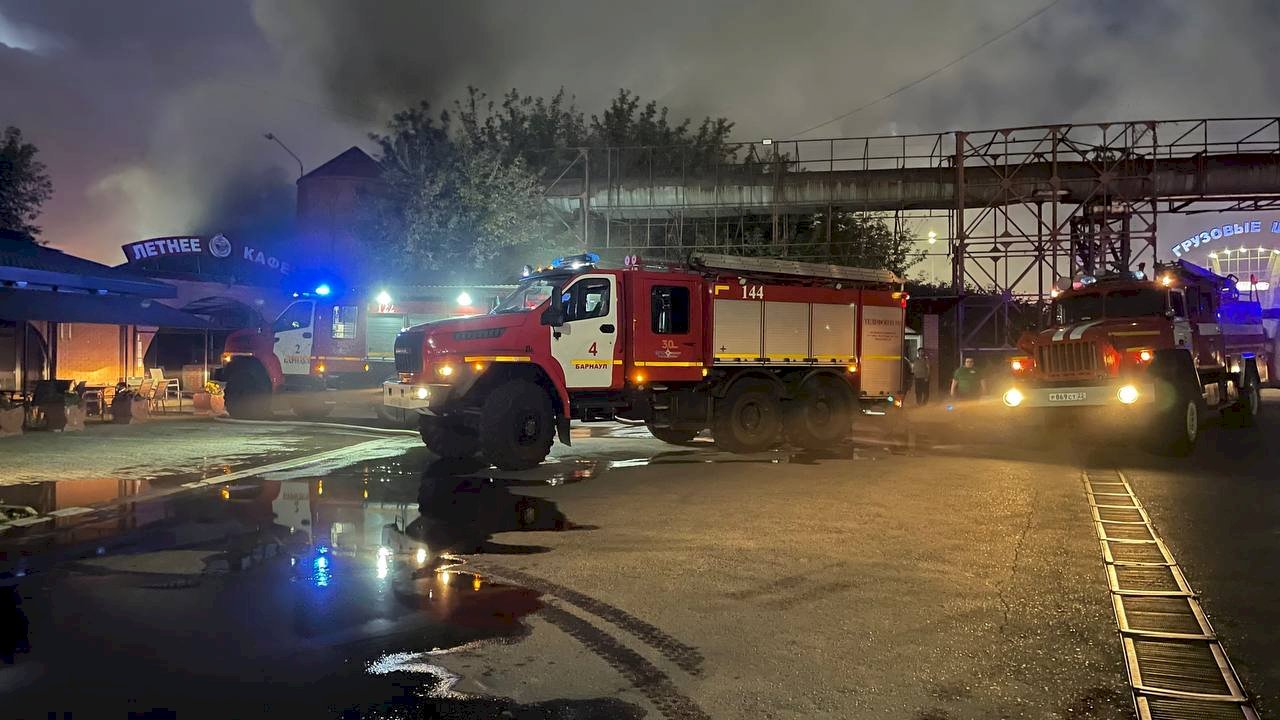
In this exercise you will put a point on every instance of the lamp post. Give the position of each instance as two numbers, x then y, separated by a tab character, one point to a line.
932	239
272	137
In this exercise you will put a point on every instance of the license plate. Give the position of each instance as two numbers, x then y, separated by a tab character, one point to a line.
1066	396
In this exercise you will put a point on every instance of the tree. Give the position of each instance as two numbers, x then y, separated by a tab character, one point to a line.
861	240
464	189
24	184
452	202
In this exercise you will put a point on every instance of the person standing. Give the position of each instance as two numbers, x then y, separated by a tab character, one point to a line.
920	372
967	383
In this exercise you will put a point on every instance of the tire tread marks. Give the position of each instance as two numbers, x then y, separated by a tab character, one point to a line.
685	657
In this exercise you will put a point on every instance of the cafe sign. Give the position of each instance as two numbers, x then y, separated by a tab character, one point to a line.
218	247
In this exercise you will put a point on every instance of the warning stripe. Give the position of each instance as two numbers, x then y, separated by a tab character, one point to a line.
656	363
497	358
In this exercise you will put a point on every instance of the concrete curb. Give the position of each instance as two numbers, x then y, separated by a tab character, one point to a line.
314	424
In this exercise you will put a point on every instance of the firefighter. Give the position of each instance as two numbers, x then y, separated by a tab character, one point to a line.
967	383
920	375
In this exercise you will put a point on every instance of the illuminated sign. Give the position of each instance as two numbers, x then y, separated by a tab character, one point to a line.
219	247
1220	232
157	247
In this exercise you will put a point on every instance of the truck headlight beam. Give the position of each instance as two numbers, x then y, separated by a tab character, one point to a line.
1127	394
1013	397
422	393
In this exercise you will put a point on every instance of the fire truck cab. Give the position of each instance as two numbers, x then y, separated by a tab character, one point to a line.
751	348
1149	354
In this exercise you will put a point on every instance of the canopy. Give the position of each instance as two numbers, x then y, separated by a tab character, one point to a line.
20	305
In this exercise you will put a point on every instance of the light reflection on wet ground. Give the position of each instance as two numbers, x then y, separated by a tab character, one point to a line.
278	593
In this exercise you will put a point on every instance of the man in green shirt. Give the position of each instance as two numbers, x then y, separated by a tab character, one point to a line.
967	383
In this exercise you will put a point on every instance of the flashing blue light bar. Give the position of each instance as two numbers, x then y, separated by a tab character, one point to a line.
323	289
574	262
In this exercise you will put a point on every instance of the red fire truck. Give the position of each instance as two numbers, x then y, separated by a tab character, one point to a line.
329	339
748	347
1127	352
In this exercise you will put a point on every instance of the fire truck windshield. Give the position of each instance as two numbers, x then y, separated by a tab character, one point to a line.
528	296
1135	302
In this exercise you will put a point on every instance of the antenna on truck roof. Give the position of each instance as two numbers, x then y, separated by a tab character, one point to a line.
774	266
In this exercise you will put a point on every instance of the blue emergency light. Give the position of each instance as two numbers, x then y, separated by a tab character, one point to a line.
576	262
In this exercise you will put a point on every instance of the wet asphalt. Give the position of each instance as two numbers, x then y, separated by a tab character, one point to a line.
954	577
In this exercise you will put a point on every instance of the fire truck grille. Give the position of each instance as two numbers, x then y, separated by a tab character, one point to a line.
1069	358
409	352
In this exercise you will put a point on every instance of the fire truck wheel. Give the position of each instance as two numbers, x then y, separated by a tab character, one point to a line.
820	415
248	392
447	439
747	419
517	425
673	435
1244	412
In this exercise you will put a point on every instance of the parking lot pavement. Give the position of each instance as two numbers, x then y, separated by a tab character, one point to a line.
629	578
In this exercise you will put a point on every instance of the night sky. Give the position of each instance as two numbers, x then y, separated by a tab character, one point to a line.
150	114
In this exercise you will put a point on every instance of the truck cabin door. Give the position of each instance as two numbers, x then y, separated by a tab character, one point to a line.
293	336
586	344
1181	321
668	328
1207	333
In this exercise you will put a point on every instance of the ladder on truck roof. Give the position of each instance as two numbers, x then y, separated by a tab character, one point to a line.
775	266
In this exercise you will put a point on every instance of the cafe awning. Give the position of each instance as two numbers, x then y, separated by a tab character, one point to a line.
106	309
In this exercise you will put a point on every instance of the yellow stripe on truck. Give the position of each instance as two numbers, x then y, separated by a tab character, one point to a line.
652	363
497	358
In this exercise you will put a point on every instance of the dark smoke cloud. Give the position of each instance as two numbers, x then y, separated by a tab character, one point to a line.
150	113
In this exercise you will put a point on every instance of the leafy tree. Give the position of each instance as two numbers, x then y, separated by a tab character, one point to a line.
451	201
860	240
24	184
465	188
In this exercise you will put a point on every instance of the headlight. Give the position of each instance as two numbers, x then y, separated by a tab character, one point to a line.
444	370
1127	394
1013	397
422	393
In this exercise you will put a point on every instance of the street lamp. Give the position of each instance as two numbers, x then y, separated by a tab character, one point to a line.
272	136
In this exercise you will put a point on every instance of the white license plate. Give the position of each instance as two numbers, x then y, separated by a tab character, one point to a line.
1066	397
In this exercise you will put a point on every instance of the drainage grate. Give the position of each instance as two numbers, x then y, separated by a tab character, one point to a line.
1182	709
1177	668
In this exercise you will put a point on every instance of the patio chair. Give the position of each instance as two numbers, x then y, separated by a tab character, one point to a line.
165	388
147	391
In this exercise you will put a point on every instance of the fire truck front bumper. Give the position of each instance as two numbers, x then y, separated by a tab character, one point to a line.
1119	395
422	397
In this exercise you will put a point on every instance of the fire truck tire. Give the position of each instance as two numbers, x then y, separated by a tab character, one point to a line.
447	439
248	392
748	418
673	435
821	414
517	425
1244	412
1176	426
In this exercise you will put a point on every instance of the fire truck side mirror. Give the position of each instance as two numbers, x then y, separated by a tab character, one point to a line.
553	315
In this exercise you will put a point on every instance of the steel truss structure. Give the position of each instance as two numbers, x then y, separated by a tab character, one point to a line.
1014	208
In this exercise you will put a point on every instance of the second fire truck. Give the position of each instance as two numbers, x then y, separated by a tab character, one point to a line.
1129	352
751	348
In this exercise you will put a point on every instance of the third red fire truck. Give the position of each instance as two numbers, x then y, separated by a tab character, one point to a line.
1130	352
751	348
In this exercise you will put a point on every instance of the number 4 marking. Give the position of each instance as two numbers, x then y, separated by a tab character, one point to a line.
593	350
